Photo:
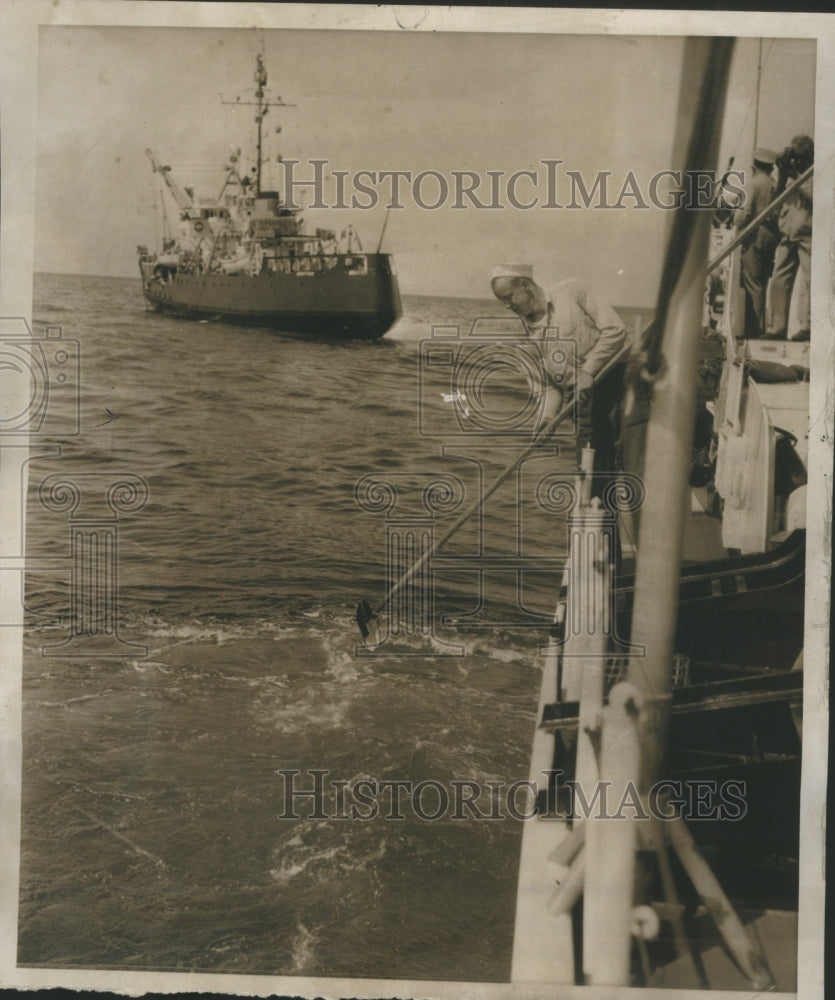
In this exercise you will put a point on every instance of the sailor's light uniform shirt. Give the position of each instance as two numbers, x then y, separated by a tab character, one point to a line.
574	314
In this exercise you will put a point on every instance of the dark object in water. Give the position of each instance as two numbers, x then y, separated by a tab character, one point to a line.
365	614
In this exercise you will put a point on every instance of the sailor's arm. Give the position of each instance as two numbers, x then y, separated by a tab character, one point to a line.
612	337
552	399
742	216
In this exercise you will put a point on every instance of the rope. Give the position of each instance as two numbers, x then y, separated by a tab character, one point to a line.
751	102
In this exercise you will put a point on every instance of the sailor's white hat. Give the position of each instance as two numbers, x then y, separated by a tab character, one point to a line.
512	271
763	155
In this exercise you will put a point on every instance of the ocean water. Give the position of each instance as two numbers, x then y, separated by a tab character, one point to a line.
154	834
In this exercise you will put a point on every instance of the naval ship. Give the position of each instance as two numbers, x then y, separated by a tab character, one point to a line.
244	257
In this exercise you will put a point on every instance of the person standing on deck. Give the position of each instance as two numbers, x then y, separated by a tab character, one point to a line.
758	249
795	250
571	308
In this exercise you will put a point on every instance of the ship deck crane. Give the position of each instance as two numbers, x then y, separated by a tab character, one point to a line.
183	200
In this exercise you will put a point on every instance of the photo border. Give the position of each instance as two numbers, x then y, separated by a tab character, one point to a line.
21	20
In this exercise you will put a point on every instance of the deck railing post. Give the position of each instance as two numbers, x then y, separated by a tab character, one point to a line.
612	828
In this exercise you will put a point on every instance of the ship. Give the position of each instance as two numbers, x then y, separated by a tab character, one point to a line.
244	257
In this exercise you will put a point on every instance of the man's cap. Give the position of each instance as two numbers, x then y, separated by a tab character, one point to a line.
512	271
767	156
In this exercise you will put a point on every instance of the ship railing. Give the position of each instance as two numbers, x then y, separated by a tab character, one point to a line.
730	405
746	424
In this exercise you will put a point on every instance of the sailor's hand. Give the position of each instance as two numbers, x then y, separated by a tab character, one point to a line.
584	387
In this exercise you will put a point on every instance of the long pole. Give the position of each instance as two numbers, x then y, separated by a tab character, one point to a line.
743	948
383	233
541	435
670	429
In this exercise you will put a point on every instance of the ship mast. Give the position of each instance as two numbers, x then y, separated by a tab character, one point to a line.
261	81
263	106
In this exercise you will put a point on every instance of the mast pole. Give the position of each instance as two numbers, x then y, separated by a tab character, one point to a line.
636	721
261	80
262	106
757	95
670	430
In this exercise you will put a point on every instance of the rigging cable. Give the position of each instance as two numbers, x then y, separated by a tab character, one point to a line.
751	103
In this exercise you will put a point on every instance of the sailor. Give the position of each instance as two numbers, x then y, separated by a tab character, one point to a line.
758	248
795	249
570	310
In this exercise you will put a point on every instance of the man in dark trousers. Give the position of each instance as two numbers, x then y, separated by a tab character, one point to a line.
794	252
758	249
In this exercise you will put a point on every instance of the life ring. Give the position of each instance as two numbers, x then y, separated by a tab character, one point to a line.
198	226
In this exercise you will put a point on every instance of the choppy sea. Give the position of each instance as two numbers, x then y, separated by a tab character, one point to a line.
155	833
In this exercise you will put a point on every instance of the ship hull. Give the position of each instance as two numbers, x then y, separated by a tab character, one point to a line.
331	303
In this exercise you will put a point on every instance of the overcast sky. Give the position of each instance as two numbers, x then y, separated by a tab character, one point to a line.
389	101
